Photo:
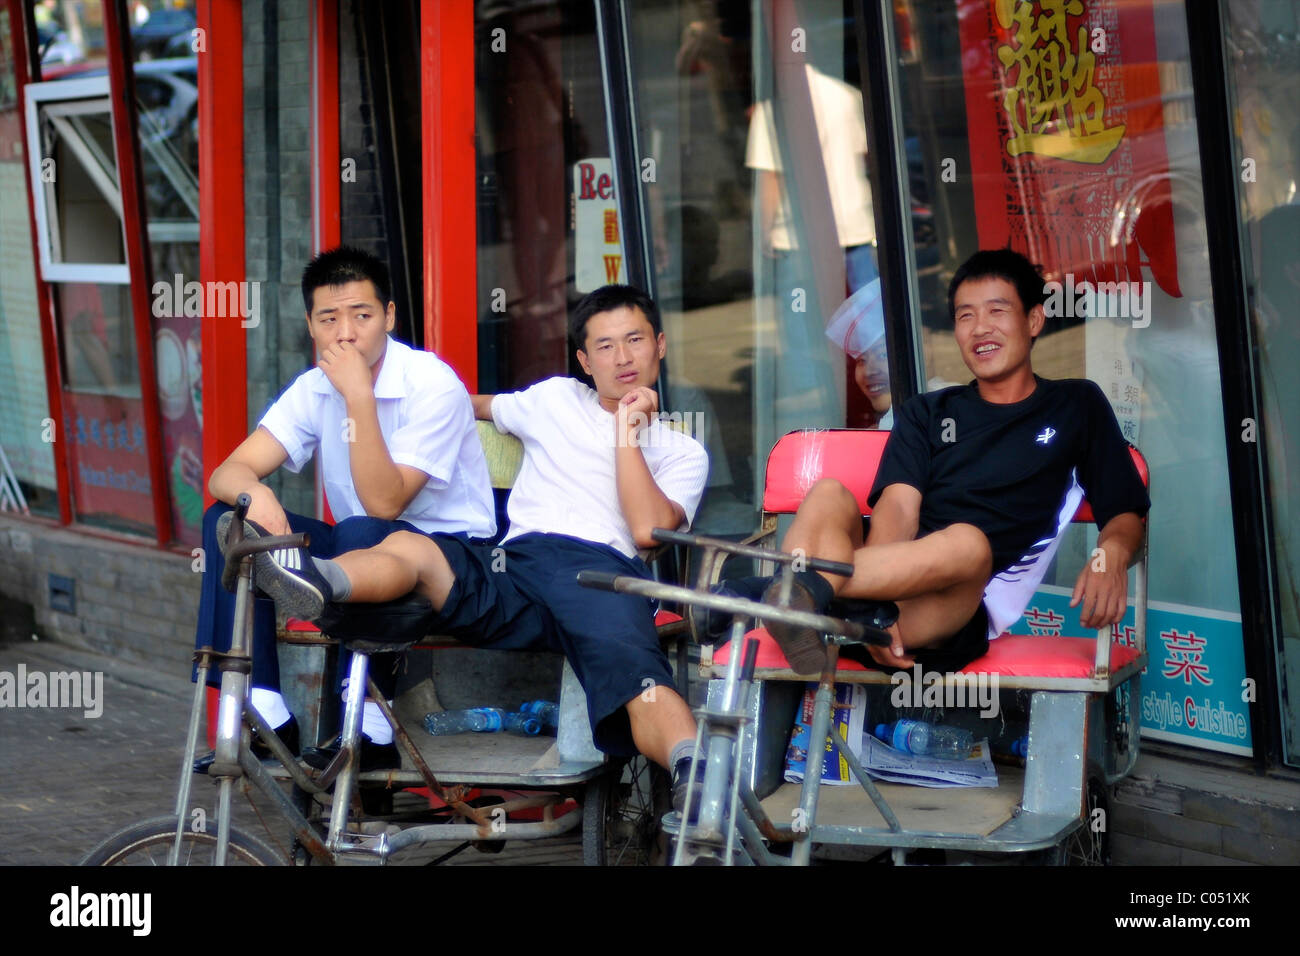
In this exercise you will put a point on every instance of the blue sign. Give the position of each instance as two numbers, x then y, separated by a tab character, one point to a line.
1194	687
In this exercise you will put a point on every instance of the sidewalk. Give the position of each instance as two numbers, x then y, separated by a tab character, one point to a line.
67	781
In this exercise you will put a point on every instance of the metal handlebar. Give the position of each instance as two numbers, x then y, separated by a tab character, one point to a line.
239	547
749	551
629	584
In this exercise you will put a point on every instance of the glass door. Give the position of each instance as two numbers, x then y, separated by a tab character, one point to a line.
1262	40
752	120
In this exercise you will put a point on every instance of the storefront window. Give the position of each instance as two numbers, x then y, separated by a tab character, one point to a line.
763	227
167	110
70	37
1263	55
1066	131
540	131
27	478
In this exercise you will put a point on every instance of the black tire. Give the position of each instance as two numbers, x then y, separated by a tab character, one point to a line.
621	811
147	844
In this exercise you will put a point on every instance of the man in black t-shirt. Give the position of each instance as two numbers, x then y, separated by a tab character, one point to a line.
975	485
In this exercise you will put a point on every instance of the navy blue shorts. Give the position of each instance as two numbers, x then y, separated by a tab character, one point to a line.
524	594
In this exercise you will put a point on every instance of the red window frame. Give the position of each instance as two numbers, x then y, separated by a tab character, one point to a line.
450	214
221	226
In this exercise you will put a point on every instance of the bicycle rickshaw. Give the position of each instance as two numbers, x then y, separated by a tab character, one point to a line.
1076	699
618	803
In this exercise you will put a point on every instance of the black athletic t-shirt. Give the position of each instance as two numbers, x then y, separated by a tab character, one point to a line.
1006	468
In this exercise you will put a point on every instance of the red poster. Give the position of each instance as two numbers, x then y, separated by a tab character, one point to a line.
110	469
1066	127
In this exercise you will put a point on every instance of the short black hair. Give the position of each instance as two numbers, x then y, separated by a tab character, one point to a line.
342	265
1000	264
604	299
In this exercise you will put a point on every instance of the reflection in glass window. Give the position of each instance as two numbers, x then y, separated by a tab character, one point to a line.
1263	45
763	229
1088	161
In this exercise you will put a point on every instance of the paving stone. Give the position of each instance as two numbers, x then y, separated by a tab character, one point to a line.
67	782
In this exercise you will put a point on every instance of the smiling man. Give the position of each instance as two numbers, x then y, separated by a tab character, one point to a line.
600	472
974	488
397	445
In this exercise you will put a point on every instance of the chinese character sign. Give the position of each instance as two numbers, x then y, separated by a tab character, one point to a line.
1193	689
1052	102
598	247
1066	128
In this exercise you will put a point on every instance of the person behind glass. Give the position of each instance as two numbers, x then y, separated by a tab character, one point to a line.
398	450
858	327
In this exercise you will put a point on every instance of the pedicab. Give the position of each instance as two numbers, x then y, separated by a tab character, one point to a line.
475	790
1075	697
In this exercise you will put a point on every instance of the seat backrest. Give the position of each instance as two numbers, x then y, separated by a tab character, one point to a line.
802	458
504	454
851	456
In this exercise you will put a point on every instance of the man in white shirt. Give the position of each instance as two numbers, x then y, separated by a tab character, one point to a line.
600	472
397	445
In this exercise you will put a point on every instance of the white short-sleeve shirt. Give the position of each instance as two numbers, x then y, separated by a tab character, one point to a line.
567	484
427	422
842	130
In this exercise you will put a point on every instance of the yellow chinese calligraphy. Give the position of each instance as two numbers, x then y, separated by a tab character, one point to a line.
1052	106
611	227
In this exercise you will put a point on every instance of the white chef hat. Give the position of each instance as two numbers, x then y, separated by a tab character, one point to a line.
859	322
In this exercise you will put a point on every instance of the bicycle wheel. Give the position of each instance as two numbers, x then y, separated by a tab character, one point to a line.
621	812
1090	844
147	844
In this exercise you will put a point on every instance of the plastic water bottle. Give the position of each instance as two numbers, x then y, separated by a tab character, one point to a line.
521	723
545	711
927	740
477	719
480	720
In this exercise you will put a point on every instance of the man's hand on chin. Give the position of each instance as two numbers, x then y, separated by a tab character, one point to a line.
347	370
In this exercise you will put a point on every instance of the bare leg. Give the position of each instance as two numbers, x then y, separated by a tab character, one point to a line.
660	724
401	563
937	580
828	525
950	556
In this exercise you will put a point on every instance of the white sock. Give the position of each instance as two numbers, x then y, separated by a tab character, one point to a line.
373	724
270	705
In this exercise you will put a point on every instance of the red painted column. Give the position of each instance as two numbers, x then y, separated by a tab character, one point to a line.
221	225
135	218
326	174
450	234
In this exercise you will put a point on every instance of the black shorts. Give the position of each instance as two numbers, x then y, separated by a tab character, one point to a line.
524	594
951	654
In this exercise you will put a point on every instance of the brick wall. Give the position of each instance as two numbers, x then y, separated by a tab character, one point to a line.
1173	813
132	601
